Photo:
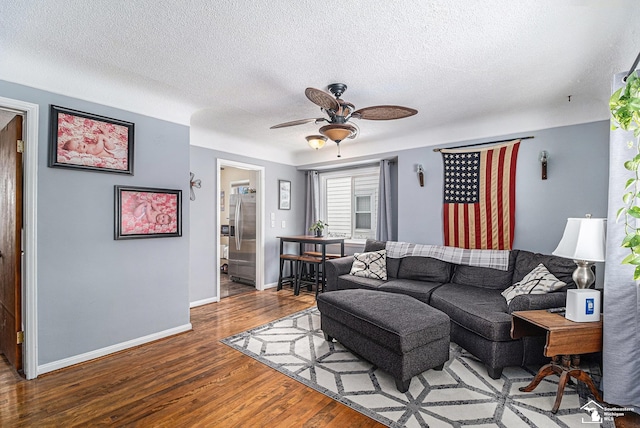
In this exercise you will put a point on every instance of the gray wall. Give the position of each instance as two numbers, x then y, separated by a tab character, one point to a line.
577	184
95	292
204	214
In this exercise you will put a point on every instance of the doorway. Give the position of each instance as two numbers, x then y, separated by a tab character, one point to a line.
27	285
240	222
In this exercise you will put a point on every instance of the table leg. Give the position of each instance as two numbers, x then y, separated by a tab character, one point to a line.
584	377
324	264
546	370
566	367
561	384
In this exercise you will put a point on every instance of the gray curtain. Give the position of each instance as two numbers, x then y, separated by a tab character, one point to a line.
312	202
384	225
621	304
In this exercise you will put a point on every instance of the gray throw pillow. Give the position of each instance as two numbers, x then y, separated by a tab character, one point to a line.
538	281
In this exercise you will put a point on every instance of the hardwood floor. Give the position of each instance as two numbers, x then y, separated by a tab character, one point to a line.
230	288
187	380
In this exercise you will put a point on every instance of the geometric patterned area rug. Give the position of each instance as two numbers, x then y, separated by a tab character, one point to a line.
460	395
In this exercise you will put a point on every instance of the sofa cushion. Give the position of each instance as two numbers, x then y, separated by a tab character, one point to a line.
481	310
347	281
370	265
420	290
538	281
393	265
424	269
486	277
373	245
560	267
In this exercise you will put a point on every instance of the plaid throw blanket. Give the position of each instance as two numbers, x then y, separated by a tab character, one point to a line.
495	259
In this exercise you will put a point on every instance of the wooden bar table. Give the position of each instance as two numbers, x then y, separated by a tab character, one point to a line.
566	340
323	241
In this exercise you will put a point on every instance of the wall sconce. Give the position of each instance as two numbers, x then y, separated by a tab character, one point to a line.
544	157
421	175
193	182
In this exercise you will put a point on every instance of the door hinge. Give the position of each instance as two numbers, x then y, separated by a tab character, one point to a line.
20	146
20	337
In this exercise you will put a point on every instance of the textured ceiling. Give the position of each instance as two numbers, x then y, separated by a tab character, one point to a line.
233	68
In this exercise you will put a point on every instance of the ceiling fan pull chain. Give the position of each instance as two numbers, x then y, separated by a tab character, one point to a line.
338	144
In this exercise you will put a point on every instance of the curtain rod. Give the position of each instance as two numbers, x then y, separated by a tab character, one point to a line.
480	144
632	69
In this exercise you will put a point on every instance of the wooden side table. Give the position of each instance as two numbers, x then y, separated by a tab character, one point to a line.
566	340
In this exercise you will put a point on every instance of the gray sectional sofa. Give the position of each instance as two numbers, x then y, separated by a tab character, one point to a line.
470	296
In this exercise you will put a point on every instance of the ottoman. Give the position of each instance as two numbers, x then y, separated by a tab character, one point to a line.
399	334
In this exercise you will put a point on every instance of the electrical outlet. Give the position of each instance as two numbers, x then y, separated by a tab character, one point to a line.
284	224
273	223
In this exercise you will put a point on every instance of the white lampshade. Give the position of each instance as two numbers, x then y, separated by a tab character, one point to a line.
583	239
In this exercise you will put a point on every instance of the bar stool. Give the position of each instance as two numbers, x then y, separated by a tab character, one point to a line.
315	262
293	260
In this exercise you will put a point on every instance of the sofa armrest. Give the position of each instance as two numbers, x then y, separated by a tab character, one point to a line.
531	302
335	268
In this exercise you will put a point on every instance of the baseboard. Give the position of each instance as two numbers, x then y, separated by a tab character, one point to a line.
272	285
77	359
204	302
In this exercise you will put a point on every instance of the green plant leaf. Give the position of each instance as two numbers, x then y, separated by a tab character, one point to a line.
620	211
634	211
627	197
636	273
631	259
629	183
626	242
632	240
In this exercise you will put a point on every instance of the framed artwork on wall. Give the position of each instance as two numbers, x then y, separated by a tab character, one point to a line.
145	212
284	195
86	141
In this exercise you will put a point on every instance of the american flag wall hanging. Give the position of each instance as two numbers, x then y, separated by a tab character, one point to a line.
480	196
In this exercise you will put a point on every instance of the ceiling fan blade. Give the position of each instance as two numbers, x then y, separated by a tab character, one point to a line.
321	98
384	112
296	122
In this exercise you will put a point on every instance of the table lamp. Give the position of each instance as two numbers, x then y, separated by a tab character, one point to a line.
584	242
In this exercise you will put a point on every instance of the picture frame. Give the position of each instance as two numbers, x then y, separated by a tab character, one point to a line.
284	194
85	141
147	212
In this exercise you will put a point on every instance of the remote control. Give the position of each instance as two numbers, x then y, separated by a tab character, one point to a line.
556	310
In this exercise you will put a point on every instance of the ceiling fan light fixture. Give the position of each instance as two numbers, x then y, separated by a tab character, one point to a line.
316	141
338	132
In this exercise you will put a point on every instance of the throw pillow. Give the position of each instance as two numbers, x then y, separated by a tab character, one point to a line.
538	281
370	265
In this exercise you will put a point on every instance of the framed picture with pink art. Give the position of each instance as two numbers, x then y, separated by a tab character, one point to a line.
145	212
90	142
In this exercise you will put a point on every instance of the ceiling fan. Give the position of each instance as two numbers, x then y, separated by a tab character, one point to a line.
340	113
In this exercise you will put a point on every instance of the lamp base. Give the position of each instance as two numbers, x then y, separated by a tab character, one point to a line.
583	275
583	305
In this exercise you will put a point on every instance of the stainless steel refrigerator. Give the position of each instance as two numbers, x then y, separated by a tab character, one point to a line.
242	238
